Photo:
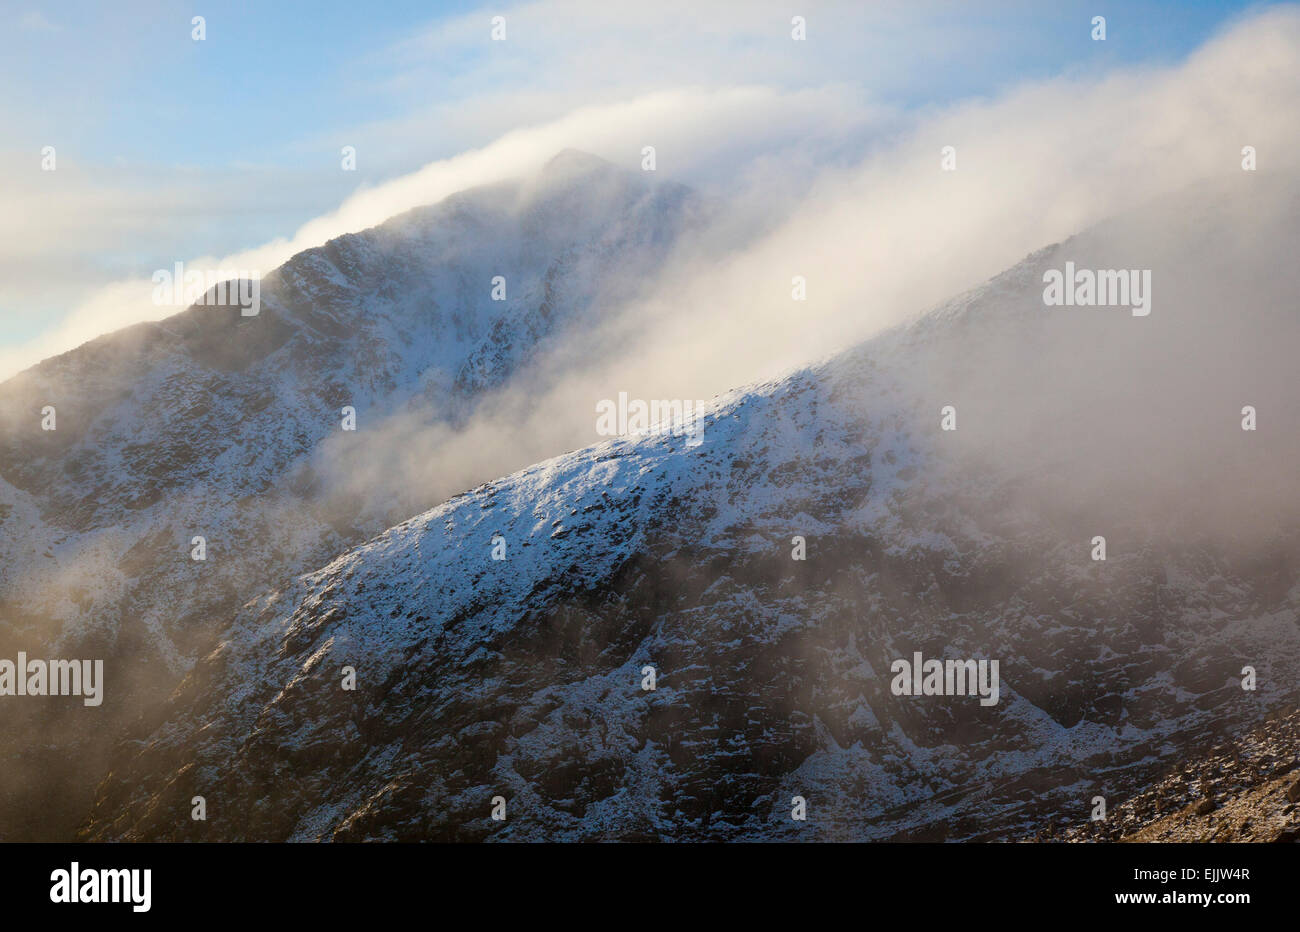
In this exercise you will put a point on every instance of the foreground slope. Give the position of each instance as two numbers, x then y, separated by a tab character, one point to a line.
522	678
1244	790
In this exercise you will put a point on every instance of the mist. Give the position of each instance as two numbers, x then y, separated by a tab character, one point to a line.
894	235
825	193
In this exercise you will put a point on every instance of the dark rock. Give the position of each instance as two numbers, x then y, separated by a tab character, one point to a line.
1293	791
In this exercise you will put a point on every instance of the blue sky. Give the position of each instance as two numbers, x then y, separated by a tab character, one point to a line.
169	147
124	82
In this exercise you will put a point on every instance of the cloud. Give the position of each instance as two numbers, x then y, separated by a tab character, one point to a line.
877	242
699	135
447	89
888	235
35	21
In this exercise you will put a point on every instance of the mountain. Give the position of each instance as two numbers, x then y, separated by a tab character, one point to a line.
523	678
213	424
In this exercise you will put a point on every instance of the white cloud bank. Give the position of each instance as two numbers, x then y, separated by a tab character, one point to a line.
881	240
697	134
889	236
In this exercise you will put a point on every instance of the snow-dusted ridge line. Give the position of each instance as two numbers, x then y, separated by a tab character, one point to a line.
211	424
521	677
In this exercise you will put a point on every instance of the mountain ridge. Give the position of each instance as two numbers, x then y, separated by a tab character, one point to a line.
523	679
212	424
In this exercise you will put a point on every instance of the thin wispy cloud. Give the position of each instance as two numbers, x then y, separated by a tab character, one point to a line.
35	21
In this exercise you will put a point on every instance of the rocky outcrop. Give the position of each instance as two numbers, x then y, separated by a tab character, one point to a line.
1246	789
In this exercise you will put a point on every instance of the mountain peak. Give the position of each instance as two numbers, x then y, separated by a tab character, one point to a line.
570	159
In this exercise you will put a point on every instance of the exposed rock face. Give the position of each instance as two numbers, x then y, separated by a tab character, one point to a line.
522	678
212	424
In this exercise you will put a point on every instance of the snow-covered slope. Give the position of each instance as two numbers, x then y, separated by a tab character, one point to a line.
523	677
211	424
